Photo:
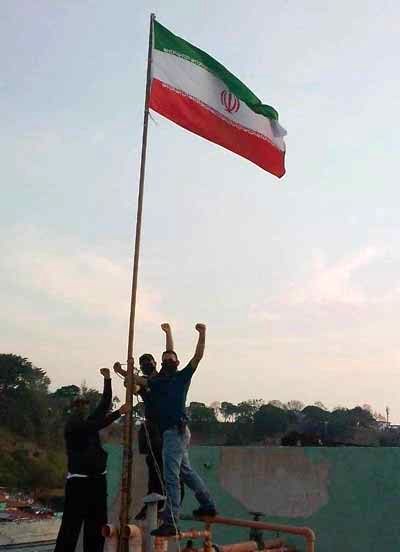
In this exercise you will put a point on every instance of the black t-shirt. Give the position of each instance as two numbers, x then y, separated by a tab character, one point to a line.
150	410
168	396
85	454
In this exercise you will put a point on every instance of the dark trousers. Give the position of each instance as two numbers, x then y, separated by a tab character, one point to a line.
155	470
85	503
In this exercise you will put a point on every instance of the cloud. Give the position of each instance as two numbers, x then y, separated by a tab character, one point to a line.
89	282
330	288
332	284
66	306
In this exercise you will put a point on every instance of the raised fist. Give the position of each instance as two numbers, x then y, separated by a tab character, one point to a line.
118	369
105	372
165	327
201	328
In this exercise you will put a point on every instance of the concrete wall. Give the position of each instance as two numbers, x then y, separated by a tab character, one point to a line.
28	531
349	496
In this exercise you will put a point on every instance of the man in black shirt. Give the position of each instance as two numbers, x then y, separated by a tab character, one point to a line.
86	486
149	436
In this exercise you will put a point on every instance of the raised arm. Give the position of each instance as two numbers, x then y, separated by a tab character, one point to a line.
137	380
96	424
169	342
201	343
104	405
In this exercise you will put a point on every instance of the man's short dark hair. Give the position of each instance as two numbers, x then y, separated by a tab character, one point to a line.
146	357
170	351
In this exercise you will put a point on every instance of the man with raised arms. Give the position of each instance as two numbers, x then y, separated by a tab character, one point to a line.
168	391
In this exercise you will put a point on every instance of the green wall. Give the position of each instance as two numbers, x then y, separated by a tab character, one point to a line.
348	496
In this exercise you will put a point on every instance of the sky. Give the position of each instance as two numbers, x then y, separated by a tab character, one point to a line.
298	279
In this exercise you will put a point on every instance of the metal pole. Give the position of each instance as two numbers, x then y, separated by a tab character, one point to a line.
126	483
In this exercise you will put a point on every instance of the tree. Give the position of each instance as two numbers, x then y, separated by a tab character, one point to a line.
200	414
23	396
320	405
67	392
339	424
92	395
247	409
270	420
344	421
278	404
297	406
314	421
315	413
228	411
18	373
216	406
359	417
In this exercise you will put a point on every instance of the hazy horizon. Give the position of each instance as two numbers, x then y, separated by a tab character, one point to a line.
297	279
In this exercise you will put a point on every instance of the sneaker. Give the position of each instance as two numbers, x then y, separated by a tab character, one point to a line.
205	512
165	530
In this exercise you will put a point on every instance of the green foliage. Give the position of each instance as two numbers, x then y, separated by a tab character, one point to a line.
23	396
200	414
92	395
17	373
228	411
67	392
247	409
295	405
270	420
316	413
32	423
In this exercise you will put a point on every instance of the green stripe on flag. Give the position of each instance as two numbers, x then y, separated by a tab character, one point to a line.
169	43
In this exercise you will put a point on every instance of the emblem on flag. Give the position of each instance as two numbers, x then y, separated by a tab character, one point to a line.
230	102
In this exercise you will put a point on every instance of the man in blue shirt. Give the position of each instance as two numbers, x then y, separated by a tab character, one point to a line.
149	436
169	391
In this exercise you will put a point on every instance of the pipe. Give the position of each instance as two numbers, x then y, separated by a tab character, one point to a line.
134	535
110	534
151	502
160	544
272	544
191	534
208	547
109	530
247	546
305	532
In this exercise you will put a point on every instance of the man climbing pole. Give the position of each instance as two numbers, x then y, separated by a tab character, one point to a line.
86	485
149	437
169	390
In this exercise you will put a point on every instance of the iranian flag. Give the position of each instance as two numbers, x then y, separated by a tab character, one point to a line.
194	91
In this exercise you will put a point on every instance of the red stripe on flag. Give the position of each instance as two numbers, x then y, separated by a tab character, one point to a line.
192	115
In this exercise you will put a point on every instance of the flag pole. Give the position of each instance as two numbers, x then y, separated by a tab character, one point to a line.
126	482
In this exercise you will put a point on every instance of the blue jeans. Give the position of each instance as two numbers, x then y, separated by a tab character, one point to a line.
176	462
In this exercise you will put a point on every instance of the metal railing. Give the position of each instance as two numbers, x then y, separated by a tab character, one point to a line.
304	532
